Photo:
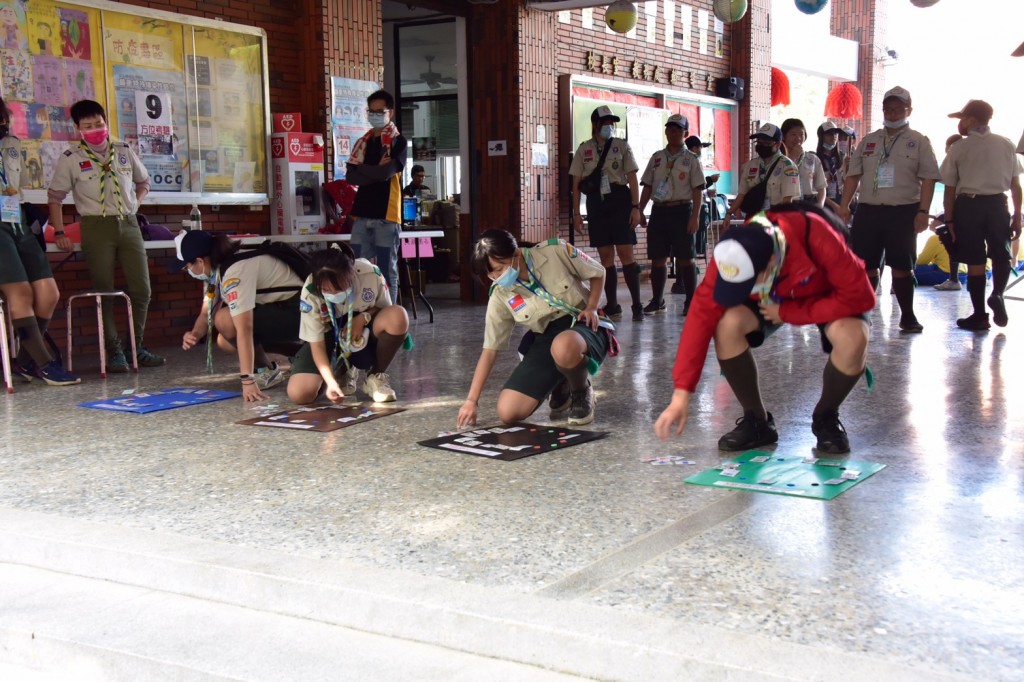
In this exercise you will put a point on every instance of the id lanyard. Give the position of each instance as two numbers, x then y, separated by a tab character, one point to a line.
11	203
105	170
343	347
886	151
211	295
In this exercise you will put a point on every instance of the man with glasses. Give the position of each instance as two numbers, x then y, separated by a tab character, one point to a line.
375	167
899	171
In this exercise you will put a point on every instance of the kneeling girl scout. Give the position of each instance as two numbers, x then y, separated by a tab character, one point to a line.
548	289
348	323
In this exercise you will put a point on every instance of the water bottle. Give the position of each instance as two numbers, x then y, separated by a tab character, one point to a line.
196	218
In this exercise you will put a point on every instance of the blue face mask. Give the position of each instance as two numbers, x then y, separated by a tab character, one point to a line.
377	120
338	298
200	277
606	132
895	124
828	147
509	277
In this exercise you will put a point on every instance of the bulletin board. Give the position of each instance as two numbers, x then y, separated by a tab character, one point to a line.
189	95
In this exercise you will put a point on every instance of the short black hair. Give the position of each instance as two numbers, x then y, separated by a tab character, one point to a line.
389	101
418	169
493	243
87	108
334	265
4	111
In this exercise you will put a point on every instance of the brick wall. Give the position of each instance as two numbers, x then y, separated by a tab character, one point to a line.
865	22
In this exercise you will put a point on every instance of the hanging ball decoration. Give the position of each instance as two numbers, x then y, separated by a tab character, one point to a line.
811	6
621	16
844	101
730	11
923	3
780	87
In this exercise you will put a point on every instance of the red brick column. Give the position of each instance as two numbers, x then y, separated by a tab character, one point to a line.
751	61
865	22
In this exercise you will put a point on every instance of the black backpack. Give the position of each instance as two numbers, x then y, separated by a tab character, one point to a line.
287	254
753	200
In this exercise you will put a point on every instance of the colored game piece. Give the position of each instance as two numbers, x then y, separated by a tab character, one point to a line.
330	417
156	401
510	442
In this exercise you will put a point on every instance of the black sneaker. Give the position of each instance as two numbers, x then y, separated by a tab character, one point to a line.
977	322
750	432
560	402
117	363
686	308
910	325
655	307
998	306
613	311
638	313
148	358
678	288
582	409
832	439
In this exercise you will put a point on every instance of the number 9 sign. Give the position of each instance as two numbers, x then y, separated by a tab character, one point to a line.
153	109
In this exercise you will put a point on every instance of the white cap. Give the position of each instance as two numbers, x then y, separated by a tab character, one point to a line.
734	264
899	93
770	131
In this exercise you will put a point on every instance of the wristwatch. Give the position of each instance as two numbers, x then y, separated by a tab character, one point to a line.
922	210
367	318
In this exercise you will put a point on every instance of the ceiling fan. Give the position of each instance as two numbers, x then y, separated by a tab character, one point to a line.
433	79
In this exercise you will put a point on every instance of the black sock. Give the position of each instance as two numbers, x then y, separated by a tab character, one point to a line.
741	373
631	273
1000	275
387	348
903	287
976	288
659	275
874	281
611	285
576	377
835	386
689	274
954	271
32	344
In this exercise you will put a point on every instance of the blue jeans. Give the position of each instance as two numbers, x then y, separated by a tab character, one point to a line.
378	238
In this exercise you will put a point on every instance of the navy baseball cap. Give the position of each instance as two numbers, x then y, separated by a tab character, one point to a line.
188	246
741	254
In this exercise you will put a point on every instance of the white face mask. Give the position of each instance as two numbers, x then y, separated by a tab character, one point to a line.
377	120
895	124
828	147
337	298
202	277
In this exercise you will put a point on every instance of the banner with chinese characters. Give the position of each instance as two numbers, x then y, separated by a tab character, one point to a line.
348	117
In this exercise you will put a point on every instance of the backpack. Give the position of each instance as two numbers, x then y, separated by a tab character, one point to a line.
828	216
287	254
753	200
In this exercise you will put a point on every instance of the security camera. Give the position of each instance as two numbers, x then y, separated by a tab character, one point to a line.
893	54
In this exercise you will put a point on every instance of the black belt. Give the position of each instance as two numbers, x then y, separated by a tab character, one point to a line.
670	204
980	196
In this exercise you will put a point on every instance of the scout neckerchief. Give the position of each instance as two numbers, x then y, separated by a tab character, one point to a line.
106	169
343	346
886	151
764	168
779	248
534	284
387	136
211	296
833	175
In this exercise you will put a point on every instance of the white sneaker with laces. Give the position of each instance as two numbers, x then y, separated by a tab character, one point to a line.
378	387
948	285
269	377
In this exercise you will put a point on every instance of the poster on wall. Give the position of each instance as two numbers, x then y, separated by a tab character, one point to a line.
707	134
348	117
646	126
150	116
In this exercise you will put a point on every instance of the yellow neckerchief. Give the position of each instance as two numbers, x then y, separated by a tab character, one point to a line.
106	169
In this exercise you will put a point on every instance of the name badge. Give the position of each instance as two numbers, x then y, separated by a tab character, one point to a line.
606	185
662	192
886	176
11	212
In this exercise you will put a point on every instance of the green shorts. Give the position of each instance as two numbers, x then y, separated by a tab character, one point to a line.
361	359
21	257
537	375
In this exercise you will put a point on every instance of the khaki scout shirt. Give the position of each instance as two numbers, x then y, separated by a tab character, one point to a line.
911	156
784	182
77	173
682	171
238	284
982	163
812	175
368	288
617	165
10	150
562	269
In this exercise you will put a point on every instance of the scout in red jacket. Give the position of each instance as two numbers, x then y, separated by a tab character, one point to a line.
787	265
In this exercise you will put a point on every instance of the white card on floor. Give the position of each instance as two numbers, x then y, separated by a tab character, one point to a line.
730	472
835	481
760	458
851	474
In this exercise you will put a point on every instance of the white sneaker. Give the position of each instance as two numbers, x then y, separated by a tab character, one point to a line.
348	381
269	377
948	285
378	387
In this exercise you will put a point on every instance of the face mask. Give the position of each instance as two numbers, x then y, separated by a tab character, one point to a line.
606	132
765	151
200	277
5	130
697	153
338	298
377	120
509	277
95	137
894	124
827	147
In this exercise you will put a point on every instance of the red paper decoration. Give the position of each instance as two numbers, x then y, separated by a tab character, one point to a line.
780	87
845	101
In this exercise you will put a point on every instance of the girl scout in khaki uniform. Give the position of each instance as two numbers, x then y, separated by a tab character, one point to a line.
812	174
348	323
783	185
25	277
552	289
108	182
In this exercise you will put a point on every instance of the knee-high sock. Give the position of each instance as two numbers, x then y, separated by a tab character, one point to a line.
689	273
32	344
611	285
835	386
976	288
576	376
387	348
659	274
741	373
903	287
954	271
874	280
1000	275
631	273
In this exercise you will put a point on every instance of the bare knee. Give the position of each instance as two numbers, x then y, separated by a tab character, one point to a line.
514	406
392	320
19	299
568	349
731	331
304	388
849	339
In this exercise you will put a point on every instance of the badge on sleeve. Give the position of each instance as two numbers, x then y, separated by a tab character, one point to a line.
911	144
305	307
123	160
230	284
368	295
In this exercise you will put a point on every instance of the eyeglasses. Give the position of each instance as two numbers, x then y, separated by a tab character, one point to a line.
899	109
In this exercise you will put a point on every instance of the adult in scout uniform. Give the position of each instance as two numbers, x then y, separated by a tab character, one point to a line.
348	323
553	290
832	161
765	273
675	180
108	182
899	171
783	178
251	300
977	172
812	175
26	280
613	206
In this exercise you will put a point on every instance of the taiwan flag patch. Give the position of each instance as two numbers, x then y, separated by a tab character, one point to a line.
517	303
85	166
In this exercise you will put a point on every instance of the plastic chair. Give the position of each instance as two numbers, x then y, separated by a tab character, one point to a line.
98	295
6	350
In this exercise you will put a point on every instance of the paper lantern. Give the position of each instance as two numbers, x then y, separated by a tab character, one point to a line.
844	101
923	3
780	87
811	6
730	11
621	16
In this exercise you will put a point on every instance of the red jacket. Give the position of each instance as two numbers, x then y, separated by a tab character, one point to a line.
828	284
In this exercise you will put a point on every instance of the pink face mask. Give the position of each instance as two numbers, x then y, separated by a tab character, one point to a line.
95	137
